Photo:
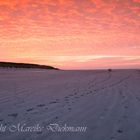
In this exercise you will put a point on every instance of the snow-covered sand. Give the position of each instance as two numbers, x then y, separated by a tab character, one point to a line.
106	104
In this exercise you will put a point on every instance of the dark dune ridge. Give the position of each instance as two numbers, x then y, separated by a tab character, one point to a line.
24	65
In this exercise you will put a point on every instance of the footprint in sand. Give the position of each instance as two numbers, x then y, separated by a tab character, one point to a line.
39	133
71	95
75	93
126	107
76	97
90	92
1	120
14	115
41	105
53	102
69	108
66	97
120	131
57	100
30	109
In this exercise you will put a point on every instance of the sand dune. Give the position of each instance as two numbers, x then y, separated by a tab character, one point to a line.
106	104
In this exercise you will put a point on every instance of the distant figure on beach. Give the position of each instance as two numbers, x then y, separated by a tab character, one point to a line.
109	70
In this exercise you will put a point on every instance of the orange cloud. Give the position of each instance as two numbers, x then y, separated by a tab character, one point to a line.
34	30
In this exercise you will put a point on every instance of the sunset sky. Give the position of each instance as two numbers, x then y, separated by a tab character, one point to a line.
71	34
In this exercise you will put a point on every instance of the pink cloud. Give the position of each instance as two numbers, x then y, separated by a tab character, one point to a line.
68	28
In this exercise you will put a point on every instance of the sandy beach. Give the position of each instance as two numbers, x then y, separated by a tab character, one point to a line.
69	105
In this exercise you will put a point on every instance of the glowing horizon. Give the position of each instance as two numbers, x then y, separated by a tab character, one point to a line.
71	34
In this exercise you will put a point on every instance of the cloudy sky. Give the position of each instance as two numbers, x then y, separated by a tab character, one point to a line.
71	34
